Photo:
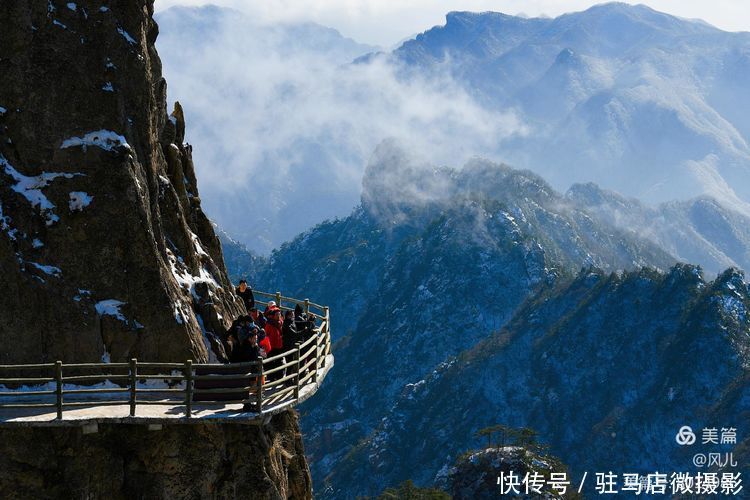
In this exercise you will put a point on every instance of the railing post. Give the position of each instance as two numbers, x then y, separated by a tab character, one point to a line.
133	377
59	388
328	329
188	388
317	358
307	307
299	367
259	388
278	300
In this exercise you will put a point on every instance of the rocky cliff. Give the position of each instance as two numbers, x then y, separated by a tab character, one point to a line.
105	252
106	255
181	461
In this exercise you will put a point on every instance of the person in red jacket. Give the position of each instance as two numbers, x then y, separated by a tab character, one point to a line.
274	324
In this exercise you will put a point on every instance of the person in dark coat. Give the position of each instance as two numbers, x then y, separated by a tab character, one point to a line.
304	324
258	318
289	333
249	349
246	294
233	335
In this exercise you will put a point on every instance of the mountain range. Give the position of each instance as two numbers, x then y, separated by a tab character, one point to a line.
467	297
590	291
632	99
639	102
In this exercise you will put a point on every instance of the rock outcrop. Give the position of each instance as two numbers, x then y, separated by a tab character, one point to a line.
495	472
105	252
106	255
180	461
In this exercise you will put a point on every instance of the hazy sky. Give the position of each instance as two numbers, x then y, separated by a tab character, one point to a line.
386	22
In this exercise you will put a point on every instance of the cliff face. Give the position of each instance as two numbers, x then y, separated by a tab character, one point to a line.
181	461
105	252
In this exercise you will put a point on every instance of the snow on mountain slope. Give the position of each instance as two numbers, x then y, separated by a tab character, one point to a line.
700	230
605	367
637	101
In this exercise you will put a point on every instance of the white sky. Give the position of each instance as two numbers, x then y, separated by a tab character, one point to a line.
386	22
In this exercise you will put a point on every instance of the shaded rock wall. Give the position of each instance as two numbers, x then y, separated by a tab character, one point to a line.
105	252
181	461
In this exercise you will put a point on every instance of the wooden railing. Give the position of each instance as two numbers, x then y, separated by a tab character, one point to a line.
269	385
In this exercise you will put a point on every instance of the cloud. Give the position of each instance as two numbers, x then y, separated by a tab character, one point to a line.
282	132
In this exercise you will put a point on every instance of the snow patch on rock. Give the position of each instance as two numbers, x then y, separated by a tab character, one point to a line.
31	187
50	270
79	200
5	225
126	36
104	139
110	307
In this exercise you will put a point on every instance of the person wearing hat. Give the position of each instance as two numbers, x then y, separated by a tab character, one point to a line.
258	318
248	332
249	349
274	325
233	334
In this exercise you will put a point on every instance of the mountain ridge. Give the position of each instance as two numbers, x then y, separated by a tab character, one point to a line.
454	283
638	101
602	110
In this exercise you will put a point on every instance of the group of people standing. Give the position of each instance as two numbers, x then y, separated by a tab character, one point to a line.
257	335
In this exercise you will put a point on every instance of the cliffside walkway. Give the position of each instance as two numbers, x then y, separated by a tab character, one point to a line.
85	394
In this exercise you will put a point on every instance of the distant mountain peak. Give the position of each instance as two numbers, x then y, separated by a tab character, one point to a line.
467	17
566	56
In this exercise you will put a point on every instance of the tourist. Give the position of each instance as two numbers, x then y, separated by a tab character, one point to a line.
258	318
233	334
246	294
289	333
274	324
305	324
